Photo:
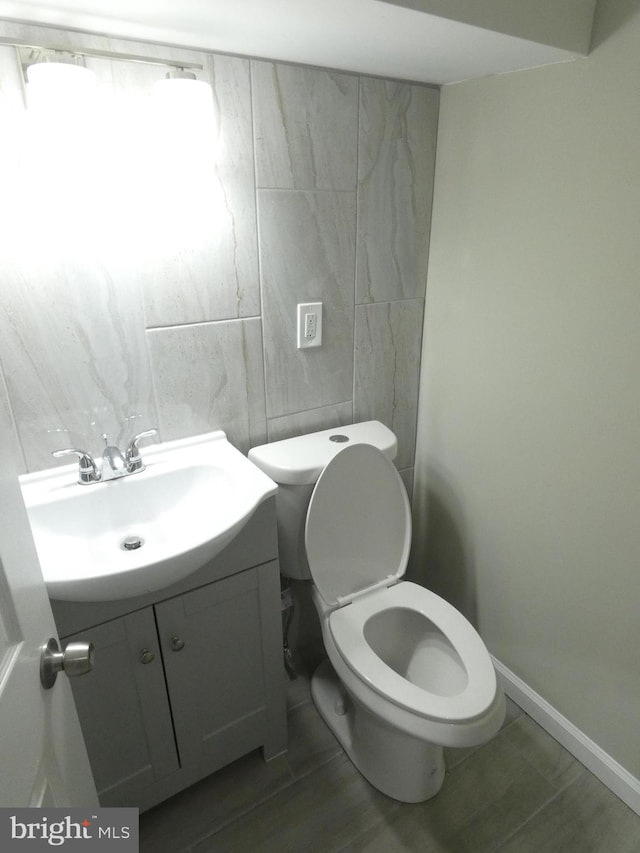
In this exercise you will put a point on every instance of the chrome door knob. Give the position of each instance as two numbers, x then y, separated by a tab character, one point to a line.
146	656
76	659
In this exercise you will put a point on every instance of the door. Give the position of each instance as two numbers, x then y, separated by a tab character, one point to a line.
43	760
212	645
124	701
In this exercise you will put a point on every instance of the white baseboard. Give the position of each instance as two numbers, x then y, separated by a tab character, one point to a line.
613	775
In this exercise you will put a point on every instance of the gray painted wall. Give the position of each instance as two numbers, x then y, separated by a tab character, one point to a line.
172	303
527	493
566	24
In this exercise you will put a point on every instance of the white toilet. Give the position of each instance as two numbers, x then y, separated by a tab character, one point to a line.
407	674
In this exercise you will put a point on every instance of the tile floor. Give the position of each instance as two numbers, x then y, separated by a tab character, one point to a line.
520	793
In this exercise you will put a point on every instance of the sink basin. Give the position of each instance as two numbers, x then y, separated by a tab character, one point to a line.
143	532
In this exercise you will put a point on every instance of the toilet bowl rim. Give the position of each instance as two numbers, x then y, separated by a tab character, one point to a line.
346	627
457	734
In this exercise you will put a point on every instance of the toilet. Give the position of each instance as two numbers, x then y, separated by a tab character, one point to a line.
406	673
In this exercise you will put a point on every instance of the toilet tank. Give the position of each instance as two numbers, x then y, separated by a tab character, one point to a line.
295	464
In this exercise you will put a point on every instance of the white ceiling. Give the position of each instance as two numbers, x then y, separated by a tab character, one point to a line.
381	37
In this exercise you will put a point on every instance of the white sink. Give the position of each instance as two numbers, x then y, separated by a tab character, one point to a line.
189	503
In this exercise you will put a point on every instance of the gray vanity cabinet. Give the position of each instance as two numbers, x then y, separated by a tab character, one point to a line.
124	708
185	680
212	649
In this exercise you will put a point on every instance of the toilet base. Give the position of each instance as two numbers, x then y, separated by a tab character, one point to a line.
401	766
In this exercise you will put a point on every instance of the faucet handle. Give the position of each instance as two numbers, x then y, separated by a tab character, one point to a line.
88	471
132	456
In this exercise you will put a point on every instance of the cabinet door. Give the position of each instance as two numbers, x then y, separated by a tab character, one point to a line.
212	647
124	710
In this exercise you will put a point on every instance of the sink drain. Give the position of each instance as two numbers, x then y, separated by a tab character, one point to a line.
132	543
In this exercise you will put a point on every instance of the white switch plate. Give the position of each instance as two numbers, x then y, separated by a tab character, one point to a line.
309	330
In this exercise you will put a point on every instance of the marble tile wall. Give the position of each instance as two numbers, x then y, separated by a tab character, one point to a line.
180	311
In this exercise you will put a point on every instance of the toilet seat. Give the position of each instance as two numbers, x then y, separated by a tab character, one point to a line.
357	537
358	525
347	626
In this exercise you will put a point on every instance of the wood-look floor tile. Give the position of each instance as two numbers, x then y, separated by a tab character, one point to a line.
311	742
496	821
583	818
556	764
482	802
483	778
321	813
513	712
173	825
519	793
297	690
453	756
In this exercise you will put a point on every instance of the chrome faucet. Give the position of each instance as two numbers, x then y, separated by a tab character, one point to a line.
114	464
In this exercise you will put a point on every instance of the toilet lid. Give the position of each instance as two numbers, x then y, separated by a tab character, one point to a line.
358	528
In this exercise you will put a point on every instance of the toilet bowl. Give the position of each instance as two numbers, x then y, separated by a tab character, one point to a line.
407	674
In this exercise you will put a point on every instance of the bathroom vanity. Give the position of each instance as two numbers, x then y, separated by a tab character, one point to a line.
186	679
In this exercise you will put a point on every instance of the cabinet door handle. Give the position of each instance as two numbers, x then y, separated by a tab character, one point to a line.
146	656
177	644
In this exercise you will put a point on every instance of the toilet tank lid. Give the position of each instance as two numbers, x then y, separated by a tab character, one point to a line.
301	460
